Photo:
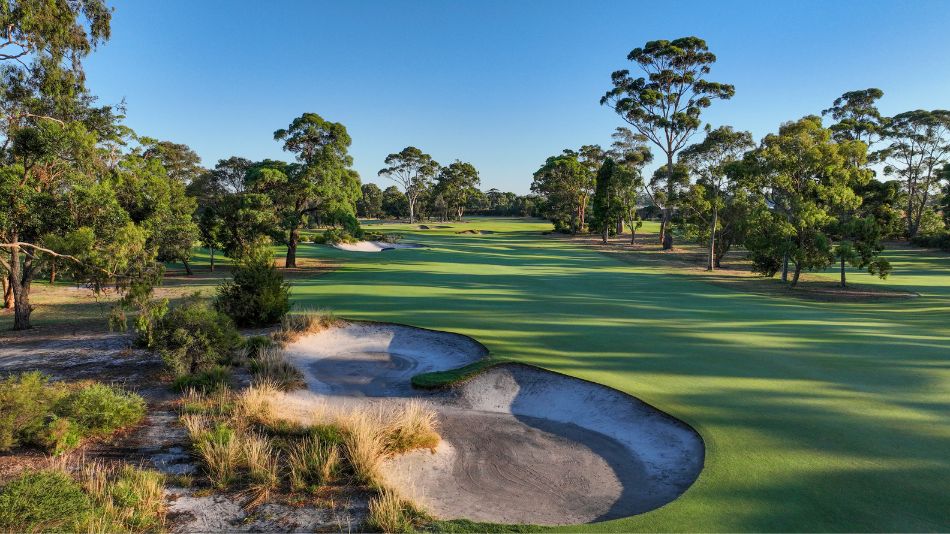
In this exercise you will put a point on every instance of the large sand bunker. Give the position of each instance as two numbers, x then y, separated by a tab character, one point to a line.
520	444
374	246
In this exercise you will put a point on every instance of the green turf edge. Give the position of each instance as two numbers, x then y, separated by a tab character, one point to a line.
444	379
465	525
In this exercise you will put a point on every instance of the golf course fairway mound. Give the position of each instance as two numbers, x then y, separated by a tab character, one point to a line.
373	246
519	444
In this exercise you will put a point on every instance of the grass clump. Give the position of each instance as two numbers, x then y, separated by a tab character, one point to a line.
364	443
412	425
295	325
220	452
391	512
214	378
57	416
312	462
271	365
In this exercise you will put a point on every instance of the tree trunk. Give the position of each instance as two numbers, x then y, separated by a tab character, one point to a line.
52	271
211	250
412	210
633	234
785	268
291	261
7	292
187	267
619	227
20	278
911	231
843	280
668	241
663	226
798	272
712	238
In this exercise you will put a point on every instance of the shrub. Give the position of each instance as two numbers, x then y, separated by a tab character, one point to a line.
257	294
254	344
192	337
59	435
43	501
216	377
939	240
100	409
138	497
25	402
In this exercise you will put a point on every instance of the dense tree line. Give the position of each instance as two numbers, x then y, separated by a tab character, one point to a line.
801	199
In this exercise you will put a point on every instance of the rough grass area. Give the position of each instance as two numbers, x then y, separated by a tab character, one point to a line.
58	416
391	512
245	443
99	498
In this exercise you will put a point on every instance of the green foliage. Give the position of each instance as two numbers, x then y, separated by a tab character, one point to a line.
44	501
192	337
414	170
607	204
214	378
370	205
100	409
456	184
395	205
257	294
26	401
563	183
59	435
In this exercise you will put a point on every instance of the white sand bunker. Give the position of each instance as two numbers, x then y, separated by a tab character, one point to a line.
520	444
374	246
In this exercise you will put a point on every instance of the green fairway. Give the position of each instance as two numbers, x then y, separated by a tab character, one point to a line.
816	415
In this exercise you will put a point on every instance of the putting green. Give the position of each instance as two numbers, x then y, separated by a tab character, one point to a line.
816	415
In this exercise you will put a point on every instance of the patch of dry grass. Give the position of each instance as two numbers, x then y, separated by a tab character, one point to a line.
391	512
412	425
271	365
312	462
364	443
296	325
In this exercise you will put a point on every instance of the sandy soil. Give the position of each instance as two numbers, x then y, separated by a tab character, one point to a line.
520	444
373	246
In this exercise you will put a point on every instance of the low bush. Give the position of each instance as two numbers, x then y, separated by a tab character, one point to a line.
45	501
939	240
99	409
193	337
26	401
57	417
257	294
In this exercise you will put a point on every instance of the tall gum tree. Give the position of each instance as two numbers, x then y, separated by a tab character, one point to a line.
413	170
665	104
322	182
709	160
919	146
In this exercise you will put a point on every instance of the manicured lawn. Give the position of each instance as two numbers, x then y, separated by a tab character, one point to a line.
816	415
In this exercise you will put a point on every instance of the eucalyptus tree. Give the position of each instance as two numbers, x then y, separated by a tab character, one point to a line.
919	146
607	207
323	181
665	104
413	170
395	205
563	183
858	118
370	204
710	160
631	153
50	129
181	163
456	184
806	178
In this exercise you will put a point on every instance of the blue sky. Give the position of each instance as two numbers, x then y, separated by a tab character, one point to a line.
500	84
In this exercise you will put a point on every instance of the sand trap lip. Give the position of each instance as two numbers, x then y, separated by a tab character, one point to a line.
374	246
520	444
